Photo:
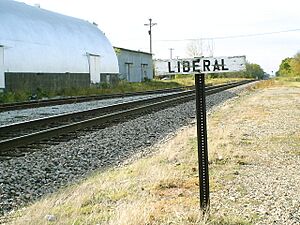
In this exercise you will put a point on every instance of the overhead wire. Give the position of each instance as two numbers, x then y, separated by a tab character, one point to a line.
234	36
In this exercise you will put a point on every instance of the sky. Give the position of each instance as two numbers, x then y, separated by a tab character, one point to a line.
265	31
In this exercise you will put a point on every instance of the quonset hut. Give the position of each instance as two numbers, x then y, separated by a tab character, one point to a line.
50	51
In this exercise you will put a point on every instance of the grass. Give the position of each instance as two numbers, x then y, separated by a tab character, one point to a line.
263	84
188	80
154	190
293	141
289	81
160	189
163	187
121	87
278	81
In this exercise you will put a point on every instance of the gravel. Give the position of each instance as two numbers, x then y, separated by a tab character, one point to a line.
266	188
26	179
15	116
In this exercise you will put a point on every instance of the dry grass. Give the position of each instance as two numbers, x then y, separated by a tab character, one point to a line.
188	80
160	189
263	84
155	190
278	82
163	188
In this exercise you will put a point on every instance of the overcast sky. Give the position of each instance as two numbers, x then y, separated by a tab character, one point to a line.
180	21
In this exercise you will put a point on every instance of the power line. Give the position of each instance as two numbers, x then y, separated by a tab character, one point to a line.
234	36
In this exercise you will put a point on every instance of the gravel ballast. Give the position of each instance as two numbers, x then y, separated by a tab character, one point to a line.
25	179
17	116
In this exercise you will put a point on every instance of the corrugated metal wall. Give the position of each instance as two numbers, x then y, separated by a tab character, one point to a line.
45	81
134	66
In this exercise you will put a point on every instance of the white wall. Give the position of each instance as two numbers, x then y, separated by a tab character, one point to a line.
38	40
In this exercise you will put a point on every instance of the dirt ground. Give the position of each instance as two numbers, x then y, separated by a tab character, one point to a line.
255	154
254	168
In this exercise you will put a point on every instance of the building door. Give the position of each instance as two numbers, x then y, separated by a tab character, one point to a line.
2	79
144	74
94	64
128	71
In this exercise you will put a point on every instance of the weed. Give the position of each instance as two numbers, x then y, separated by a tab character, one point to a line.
122	86
228	220
263	84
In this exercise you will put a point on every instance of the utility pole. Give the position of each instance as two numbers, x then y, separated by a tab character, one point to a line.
150	24
171	49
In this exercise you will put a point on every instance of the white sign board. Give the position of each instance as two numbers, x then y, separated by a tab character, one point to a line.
200	65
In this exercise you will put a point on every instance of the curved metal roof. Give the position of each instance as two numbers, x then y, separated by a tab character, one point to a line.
37	40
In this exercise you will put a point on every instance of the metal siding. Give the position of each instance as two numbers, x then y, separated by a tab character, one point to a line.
37	40
136	76
136	59
46	81
148	60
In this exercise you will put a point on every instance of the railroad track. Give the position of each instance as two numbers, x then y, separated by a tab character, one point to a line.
18	136
77	99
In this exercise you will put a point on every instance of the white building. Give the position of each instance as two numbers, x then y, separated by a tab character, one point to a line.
43	49
134	66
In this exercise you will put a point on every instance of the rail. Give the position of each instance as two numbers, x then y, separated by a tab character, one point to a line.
21	134
76	99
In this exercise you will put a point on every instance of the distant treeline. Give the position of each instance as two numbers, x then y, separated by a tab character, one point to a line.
252	71
290	67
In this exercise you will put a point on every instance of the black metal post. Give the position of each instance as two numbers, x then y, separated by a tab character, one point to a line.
202	142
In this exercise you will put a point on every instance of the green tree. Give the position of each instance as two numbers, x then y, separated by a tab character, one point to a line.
290	67
253	71
296	64
285	68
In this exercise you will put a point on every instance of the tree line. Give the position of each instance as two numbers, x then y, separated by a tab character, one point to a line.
253	71
290	67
